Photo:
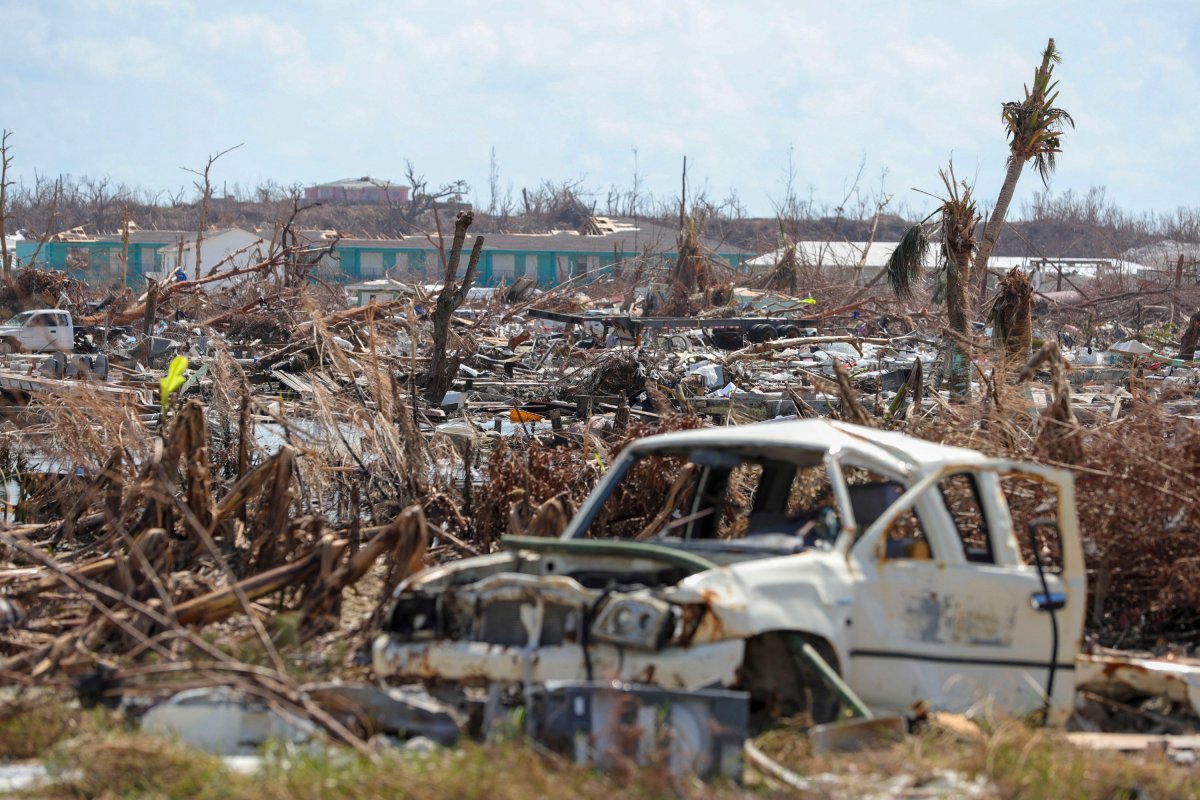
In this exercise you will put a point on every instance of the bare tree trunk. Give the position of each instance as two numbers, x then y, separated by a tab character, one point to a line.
125	220
203	224
958	310
1191	338
991	233
958	303
55	200
441	366
683	195
206	190
5	162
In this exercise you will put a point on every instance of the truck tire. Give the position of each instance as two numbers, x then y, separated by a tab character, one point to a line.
8	346
782	685
679	344
726	338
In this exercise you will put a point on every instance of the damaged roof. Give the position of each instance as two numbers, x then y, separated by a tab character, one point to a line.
621	234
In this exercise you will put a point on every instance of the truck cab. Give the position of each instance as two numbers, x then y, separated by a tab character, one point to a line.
927	576
38	331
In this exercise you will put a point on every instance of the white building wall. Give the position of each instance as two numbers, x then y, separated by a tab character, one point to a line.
230	249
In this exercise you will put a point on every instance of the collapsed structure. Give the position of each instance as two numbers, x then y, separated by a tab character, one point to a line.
315	442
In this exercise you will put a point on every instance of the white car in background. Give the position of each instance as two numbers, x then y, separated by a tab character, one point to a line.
44	330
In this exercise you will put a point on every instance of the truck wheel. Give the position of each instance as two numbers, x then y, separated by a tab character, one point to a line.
7	347
782	685
680	344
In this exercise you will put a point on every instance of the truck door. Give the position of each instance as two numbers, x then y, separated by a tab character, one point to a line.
948	613
61	332
38	332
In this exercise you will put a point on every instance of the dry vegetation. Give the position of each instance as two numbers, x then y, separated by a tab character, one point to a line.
92	754
253	538
162	524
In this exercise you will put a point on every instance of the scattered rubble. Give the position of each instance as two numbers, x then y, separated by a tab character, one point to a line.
193	550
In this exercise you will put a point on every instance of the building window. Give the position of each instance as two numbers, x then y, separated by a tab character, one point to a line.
504	267
79	258
109	263
329	266
416	262
585	264
371	265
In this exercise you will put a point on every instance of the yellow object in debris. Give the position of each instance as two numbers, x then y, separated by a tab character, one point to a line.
517	415
172	382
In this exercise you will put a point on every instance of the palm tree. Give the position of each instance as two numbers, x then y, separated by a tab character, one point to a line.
957	218
1035	131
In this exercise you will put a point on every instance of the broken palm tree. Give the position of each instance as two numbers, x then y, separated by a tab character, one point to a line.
1059	436
1035	129
957	218
693	272
1012	324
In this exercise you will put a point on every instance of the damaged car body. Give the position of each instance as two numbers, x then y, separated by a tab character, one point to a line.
910	567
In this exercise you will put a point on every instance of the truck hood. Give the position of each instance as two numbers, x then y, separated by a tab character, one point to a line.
803	591
735	601
460	573
524	553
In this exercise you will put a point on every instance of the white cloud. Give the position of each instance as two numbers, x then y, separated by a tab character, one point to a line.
561	89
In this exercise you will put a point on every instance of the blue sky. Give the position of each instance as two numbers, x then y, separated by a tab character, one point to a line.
135	89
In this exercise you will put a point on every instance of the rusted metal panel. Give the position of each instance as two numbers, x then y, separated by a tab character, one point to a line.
475	663
1123	676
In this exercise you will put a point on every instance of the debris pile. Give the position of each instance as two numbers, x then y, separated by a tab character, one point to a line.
252	522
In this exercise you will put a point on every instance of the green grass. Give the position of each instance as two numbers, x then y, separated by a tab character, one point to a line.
94	755
124	766
1016	760
32	723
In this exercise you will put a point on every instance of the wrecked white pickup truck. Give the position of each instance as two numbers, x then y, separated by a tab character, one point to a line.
924	575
